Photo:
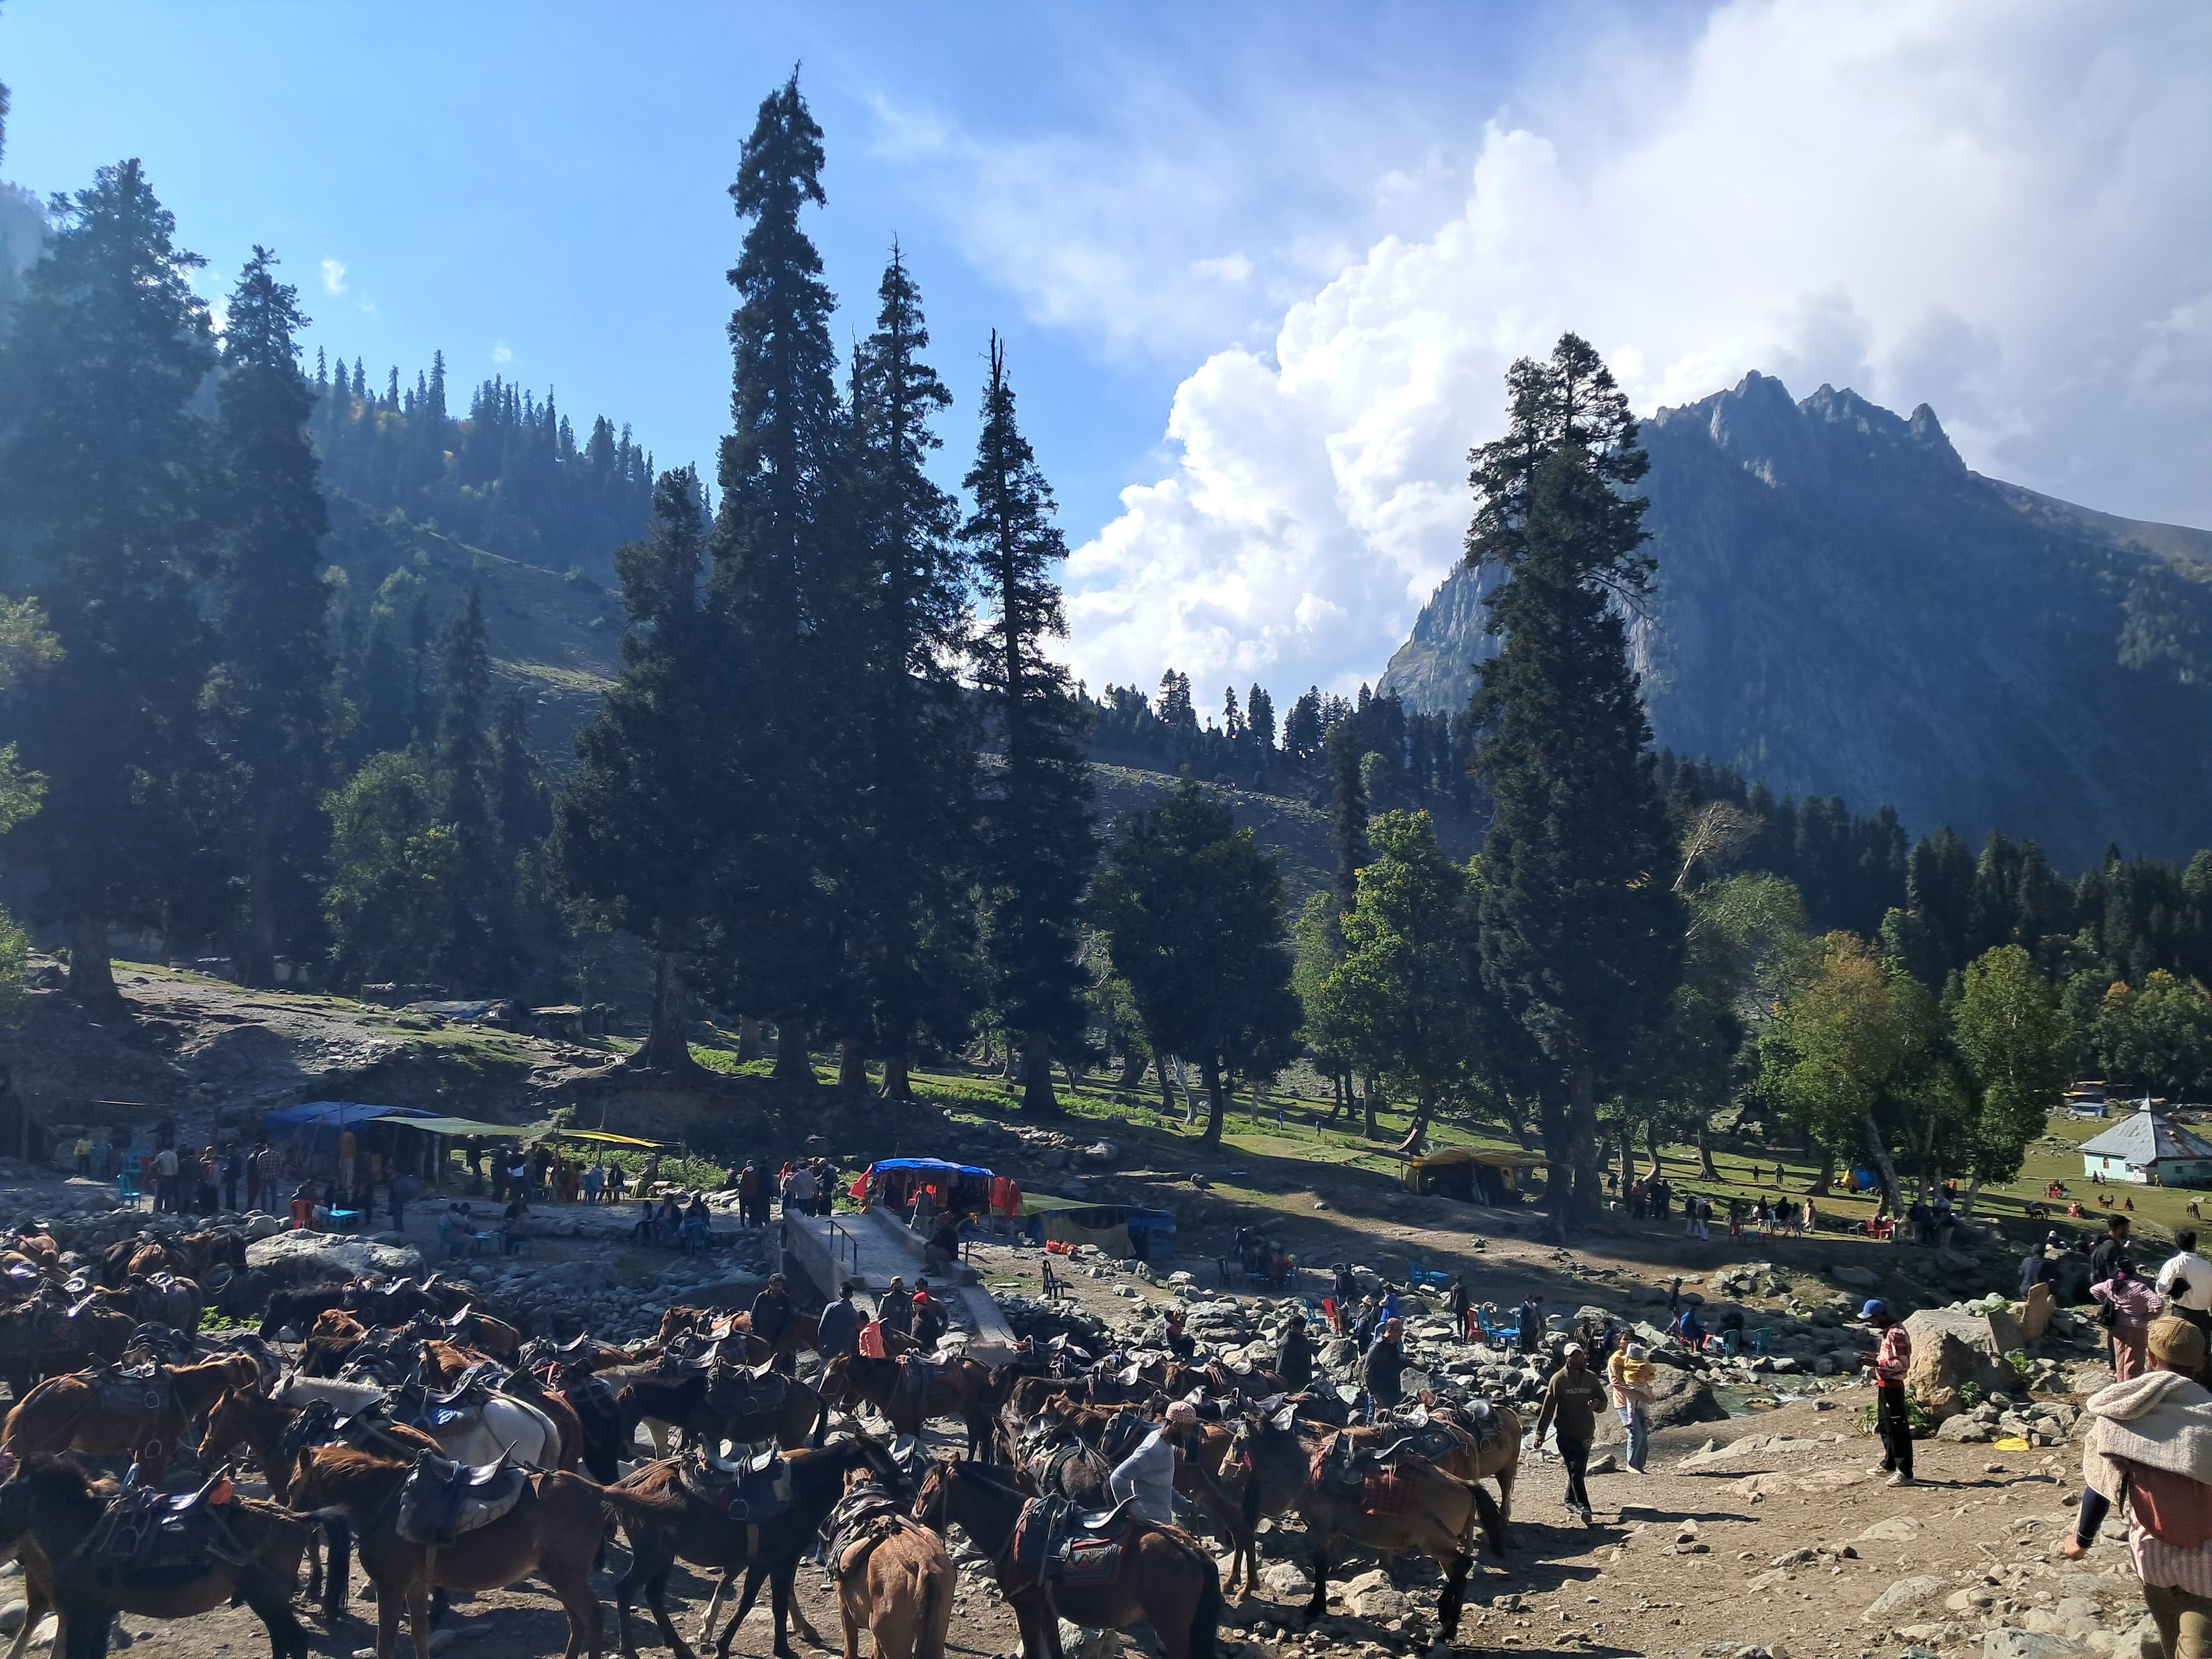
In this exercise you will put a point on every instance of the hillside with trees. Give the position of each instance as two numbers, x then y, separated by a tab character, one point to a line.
342	689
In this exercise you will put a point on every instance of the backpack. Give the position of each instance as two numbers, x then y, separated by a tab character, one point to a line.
2172	1508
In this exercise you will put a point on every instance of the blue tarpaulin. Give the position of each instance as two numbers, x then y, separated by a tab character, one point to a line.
319	1123
937	1165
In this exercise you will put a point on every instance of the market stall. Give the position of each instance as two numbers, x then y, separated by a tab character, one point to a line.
1121	1231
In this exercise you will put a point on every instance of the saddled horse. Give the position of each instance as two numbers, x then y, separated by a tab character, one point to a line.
1162	1574
908	1392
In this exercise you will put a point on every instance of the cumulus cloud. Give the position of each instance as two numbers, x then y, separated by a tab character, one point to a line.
1993	208
334	277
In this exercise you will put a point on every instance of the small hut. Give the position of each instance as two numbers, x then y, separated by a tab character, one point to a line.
2151	1149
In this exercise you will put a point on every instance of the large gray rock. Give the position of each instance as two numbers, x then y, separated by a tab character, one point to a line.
1858	1277
1903	1597
1680	1397
2027	1644
1952	1347
302	1258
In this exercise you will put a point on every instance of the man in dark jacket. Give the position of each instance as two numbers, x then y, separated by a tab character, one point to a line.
1294	1359
2110	1249
841	1325
1385	1368
929	1320
1572	1400
771	1314
2034	1269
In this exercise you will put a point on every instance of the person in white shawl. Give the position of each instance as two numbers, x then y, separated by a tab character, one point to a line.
2150	1443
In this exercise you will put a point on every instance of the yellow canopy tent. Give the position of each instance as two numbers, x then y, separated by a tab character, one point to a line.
604	1138
1476	1177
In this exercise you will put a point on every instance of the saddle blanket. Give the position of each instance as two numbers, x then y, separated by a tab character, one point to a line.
1055	1543
753	1492
441	1500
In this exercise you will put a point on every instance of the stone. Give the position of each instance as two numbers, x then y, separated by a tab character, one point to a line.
1963	1431
1680	1397
12	1616
1287	1581
1905	1595
1862	1279
1952	1347
304	1258
2026	1645
1896	1529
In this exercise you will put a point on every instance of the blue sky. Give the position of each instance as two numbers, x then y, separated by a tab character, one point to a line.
1260	265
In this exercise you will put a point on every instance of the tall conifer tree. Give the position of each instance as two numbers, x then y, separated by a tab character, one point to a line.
1581	934
103	467
913	868
1040	842
272	690
776	584
639	829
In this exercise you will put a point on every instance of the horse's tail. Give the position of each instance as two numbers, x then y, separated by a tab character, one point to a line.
1206	1622
625	1507
821	1428
1251	1497
929	1641
1490	1517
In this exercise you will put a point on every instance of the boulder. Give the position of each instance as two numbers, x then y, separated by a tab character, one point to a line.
1858	1277
1952	1347
303	1258
1904	1596
1286	1580
1680	1397
2026	1645
1964	1430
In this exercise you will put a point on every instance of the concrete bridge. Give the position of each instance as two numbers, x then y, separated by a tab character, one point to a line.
872	1248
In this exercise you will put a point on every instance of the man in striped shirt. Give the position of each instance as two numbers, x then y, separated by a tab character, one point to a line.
1890	1419
2150	1442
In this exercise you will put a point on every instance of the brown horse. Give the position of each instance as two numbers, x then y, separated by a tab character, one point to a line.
959	1387
1416	1506
67	1414
51	1512
243	1419
552	1532
801	1333
678	1400
1164	1575
896	1581
1470	1460
665	1523
44	1338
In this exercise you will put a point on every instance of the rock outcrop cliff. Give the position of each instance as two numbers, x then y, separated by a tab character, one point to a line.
1843	609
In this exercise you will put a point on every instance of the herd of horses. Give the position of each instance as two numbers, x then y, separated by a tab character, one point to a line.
391	1391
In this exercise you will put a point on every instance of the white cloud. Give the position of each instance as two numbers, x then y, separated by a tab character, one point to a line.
502	353
1995	207
334	277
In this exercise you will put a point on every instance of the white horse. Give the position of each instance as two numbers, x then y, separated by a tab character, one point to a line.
498	1425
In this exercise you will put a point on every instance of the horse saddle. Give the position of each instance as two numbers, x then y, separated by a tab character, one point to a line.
577	1348
592	1399
137	1391
149	1537
751	1490
1342	1471
441	1500
737	1391
917	1376
864	1517
1479	1419
1055	1542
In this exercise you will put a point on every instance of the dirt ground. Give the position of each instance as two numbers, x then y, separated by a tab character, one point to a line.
1711	1551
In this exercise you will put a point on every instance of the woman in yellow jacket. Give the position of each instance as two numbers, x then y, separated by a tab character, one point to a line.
1631	1374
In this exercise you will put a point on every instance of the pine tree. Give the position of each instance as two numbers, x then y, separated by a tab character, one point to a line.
777	584
272	689
1347	810
641	832
1039	836
1581	931
482	953
1192	910
102	465
911	869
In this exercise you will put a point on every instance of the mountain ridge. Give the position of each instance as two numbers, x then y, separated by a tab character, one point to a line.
1842	607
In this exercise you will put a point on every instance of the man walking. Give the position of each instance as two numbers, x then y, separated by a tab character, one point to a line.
1571	1402
1384	1369
771	1314
1891	1420
2185	1282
